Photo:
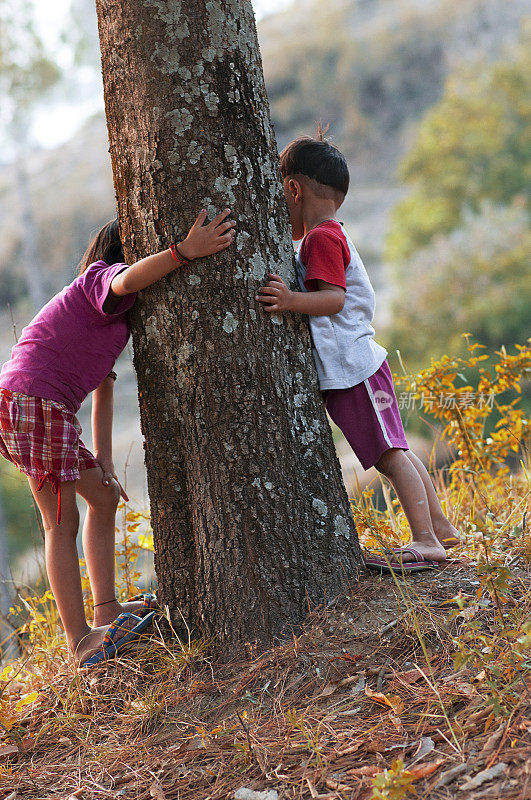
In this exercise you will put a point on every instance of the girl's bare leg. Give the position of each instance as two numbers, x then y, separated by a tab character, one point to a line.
62	565
99	544
411	492
445	532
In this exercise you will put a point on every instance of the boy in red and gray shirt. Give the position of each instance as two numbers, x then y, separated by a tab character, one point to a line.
355	379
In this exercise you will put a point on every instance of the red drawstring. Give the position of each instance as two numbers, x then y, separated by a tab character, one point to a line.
56	489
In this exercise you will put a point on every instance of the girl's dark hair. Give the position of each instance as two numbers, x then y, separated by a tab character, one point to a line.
106	246
316	159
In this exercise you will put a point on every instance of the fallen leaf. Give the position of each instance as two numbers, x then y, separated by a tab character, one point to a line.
27	700
329	689
8	750
364	771
493	740
345	657
338	787
425	770
407	678
392	700
426	745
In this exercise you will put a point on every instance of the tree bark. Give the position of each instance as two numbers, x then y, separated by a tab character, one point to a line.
251	521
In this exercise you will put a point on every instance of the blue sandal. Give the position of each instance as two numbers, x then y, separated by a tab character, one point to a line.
150	602
110	648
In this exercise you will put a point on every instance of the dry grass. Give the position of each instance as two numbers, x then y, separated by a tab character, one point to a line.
368	683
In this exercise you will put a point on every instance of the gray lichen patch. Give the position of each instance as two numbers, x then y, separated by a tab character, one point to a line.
170	14
341	527
222	26
194	280
241	239
183	354
181	120
258	266
224	186
167	60
230	323
212	103
320	507
194	152
231	154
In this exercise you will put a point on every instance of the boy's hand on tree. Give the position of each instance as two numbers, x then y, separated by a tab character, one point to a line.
276	296
203	240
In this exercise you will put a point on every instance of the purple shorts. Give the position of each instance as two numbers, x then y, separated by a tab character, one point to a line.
368	416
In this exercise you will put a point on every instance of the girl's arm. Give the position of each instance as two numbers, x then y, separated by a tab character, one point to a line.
102	408
329	299
202	240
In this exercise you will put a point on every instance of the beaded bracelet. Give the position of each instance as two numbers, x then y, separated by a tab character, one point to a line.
112	374
177	255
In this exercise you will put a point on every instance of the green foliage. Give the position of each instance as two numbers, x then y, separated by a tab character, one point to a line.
394	783
475	278
473	145
21	521
460	241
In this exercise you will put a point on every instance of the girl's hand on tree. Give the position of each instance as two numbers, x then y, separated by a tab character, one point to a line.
203	240
276	296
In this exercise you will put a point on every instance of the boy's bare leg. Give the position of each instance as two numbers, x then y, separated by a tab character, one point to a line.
62	565
410	490
445	532
99	544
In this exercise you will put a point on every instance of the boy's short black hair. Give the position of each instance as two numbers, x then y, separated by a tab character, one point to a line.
316	159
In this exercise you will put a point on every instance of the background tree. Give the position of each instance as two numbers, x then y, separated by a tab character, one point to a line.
251	521
27	75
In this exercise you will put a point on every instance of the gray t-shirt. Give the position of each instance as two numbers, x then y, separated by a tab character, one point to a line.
344	349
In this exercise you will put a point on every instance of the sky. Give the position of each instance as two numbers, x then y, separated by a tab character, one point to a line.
58	124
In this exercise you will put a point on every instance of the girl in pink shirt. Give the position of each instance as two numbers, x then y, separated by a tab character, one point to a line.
67	351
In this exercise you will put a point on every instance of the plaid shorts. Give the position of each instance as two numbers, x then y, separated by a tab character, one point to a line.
41	438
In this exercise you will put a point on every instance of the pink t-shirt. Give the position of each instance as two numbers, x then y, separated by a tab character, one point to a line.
71	345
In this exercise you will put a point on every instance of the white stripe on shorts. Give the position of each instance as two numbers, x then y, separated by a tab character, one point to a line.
377	411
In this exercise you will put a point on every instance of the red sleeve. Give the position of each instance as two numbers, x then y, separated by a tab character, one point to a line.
326	255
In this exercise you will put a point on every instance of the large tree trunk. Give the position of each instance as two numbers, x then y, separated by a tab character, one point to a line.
251	520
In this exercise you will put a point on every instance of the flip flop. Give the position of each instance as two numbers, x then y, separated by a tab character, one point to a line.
149	600
110	648
420	564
